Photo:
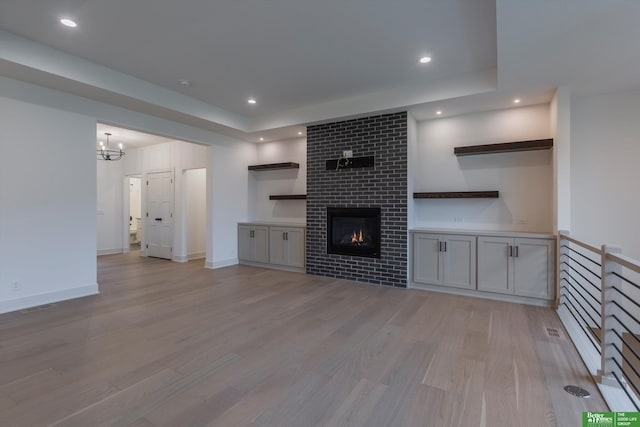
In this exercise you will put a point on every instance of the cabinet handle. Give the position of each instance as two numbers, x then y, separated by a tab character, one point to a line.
439	246
251	234
516	252
510	250
445	246
286	235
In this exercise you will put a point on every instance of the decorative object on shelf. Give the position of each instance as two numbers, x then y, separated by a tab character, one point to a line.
106	153
288	197
507	147
350	162
458	195
272	166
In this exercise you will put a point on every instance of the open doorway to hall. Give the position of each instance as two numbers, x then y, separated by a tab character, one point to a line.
152	201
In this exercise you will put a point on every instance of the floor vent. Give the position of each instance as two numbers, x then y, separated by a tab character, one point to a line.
576	391
554	333
37	308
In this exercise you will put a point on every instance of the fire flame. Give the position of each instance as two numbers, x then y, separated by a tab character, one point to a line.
357	237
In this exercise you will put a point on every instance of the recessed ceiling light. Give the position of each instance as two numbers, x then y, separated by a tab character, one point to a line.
516	101
261	139
425	59
185	82
299	133
68	22
438	112
251	101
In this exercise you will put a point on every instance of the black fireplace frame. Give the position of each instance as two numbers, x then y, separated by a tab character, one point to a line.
371	212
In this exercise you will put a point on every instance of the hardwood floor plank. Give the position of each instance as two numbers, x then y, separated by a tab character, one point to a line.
175	344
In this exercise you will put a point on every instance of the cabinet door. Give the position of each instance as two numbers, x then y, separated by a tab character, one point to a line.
245	243
495	265
294	245
533	268
427	262
459	261
276	245
261	244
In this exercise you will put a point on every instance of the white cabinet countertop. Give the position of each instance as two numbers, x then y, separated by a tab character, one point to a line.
496	233
275	223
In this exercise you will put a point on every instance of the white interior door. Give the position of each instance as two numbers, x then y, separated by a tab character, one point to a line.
159	215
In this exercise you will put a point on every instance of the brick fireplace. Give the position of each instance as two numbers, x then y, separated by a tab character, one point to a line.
381	187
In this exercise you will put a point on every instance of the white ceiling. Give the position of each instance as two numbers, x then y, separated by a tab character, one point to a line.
129	138
307	62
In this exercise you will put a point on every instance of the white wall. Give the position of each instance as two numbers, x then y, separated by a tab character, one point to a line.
195	195
230	197
560	114
285	181
109	220
47	205
525	180
605	149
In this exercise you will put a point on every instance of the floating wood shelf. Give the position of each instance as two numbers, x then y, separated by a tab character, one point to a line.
507	147
272	166
288	197
458	195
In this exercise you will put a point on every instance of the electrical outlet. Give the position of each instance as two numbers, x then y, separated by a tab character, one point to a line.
457	219
347	153
15	286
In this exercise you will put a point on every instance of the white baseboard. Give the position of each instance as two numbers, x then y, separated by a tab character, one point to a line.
480	294
219	264
48	298
111	251
187	258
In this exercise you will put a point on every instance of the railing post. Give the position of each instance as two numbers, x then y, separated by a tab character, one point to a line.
560	273
608	338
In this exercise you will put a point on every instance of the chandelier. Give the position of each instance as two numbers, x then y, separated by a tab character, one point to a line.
105	153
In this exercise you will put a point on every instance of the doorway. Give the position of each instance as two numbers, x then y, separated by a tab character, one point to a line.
135	212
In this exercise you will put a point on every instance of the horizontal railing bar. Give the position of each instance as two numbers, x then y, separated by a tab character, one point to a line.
582	265
596	323
581	254
597	310
625	328
581	275
626	391
625	359
625	343
635	388
583	288
625	279
624	261
627	297
626	312
587	333
579	243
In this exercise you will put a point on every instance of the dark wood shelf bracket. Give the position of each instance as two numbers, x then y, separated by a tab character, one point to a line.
272	166
507	147
458	195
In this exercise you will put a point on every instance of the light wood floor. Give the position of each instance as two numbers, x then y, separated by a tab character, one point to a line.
169	344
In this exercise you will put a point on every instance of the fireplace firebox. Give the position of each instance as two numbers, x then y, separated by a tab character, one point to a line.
353	231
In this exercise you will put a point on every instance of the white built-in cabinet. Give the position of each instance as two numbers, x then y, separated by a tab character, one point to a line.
253	243
516	266
272	245
445	260
286	246
520	266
